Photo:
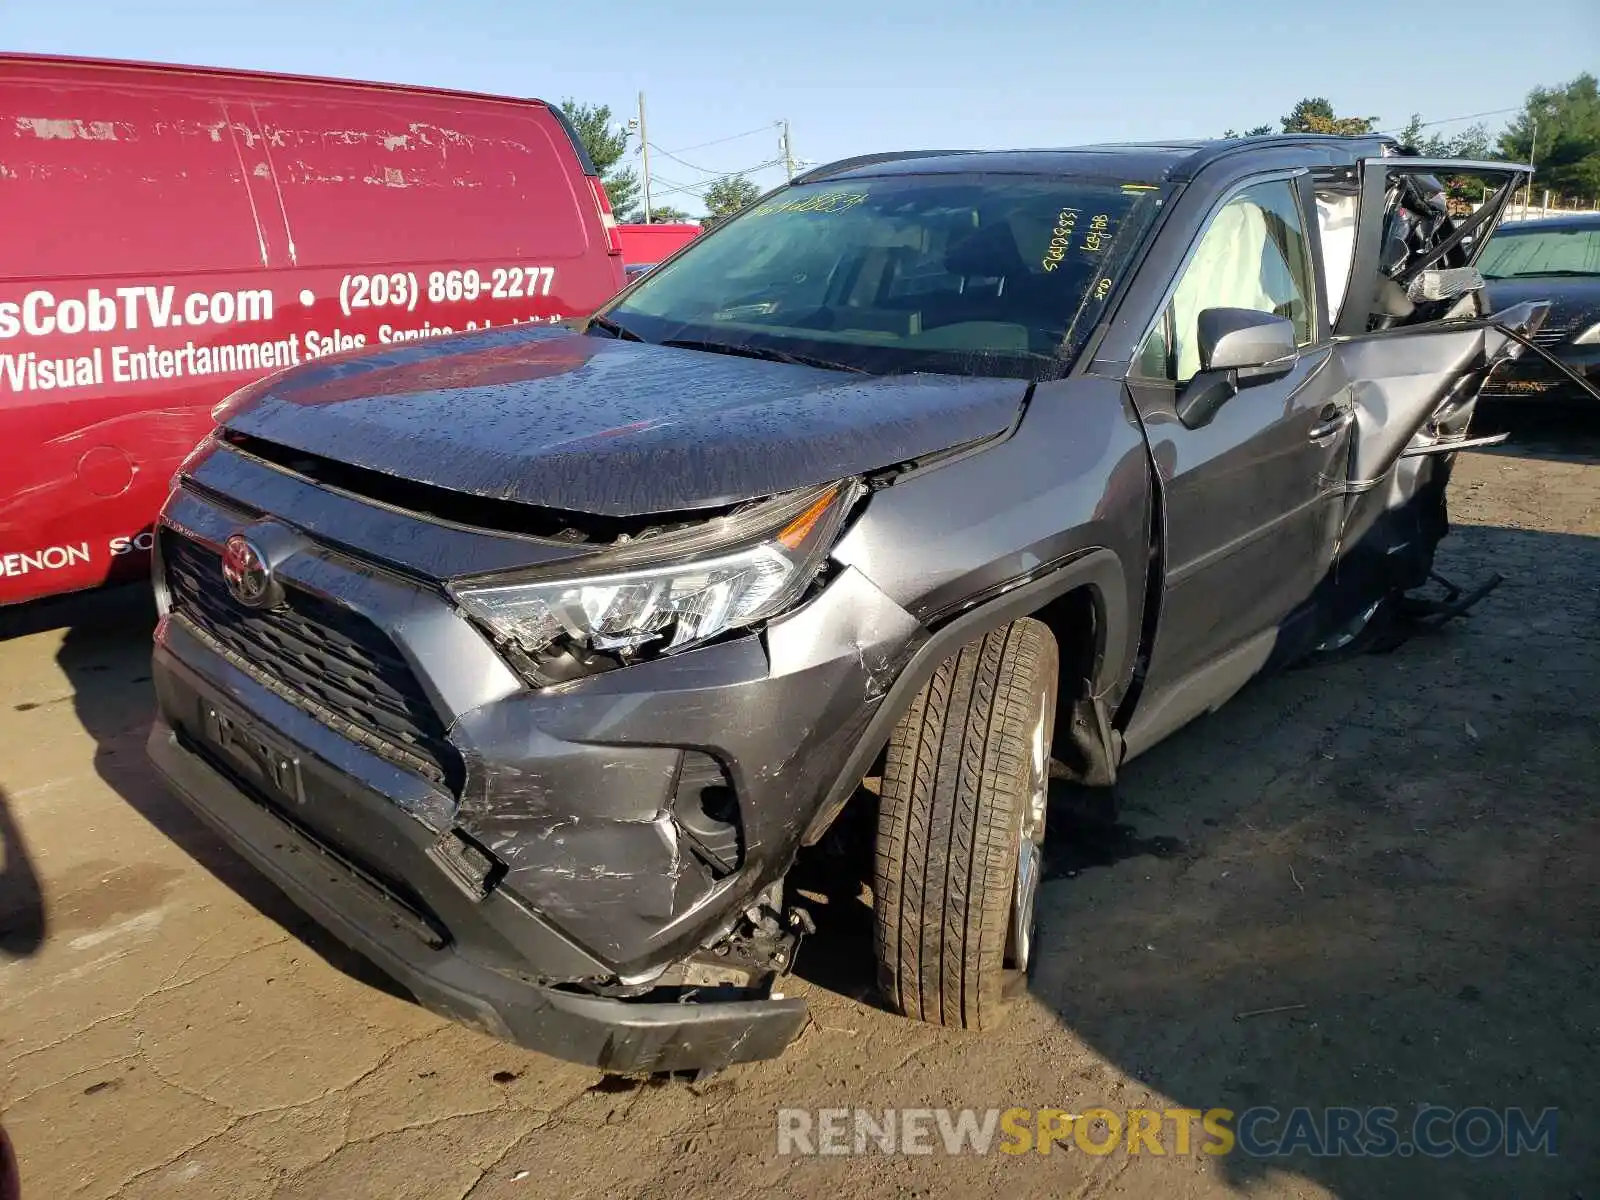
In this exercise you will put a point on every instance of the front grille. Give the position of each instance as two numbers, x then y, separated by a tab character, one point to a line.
321	657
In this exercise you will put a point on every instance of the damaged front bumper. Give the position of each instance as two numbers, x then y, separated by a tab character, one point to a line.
588	870
623	1036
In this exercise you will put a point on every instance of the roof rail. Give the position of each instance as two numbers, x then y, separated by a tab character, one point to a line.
1216	150
868	160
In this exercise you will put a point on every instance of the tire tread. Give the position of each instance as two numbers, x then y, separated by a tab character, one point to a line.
955	776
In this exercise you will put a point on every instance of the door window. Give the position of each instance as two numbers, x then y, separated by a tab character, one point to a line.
1252	255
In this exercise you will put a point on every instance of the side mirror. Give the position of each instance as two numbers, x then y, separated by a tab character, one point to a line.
1238	347
1258	345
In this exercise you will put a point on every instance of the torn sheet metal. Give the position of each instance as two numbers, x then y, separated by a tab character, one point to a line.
1414	392
1420	385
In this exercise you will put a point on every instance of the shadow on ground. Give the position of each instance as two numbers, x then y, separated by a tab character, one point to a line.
1358	885
1369	884
1552	432
22	913
1402	848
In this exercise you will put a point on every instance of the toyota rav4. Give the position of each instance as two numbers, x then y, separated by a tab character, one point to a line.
528	660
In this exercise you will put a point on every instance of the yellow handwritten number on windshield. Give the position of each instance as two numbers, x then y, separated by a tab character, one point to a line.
824	202
1060	239
1099	235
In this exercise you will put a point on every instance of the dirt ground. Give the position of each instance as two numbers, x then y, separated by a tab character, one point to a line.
1398	853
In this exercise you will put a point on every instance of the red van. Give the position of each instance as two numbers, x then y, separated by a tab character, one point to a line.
173	233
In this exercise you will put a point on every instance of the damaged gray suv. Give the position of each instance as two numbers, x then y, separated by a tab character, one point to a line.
527	660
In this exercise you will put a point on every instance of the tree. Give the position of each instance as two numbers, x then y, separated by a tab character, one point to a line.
661	214
1471	142
1311	108
727	196
1314	114
606	144
1253	131
1566	119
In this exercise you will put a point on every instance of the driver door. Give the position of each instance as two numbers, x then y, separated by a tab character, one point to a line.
1249	495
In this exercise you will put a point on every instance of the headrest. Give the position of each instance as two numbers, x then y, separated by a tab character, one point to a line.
991	250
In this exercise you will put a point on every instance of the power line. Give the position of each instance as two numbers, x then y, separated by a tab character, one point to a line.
696	166
1495	112
732	137
762	166
697	187
697	190
676	159
673	189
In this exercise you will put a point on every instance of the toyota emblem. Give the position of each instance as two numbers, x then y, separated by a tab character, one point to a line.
247	573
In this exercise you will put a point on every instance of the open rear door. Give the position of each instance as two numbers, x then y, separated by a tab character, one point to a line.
1414	345
1407	236
1413	390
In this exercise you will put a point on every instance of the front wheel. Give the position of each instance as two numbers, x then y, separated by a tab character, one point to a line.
961	817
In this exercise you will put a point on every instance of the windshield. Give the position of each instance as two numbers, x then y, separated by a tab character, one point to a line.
1000	275
1514	252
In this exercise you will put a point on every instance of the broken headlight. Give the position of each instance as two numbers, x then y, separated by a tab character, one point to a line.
657	595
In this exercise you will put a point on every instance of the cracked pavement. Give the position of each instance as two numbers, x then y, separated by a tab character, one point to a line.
1401	845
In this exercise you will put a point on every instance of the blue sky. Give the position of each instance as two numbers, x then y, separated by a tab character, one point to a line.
854	76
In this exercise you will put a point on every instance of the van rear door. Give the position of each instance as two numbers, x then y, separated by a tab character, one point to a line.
408	215
131	231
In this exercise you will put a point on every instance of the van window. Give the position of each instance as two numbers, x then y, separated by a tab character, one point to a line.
364	183
101	181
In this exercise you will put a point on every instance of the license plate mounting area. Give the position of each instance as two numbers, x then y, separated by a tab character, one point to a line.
277	768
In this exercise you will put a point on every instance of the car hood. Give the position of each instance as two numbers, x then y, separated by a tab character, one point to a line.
615	428
1574	299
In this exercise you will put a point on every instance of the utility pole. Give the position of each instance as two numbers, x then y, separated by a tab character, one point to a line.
1533	147
644	150
788	153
